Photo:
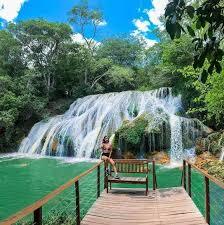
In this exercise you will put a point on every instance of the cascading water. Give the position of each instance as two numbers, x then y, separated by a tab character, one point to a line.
222	154
79	131
176	153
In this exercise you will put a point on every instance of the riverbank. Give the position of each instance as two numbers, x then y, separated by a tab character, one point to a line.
211	165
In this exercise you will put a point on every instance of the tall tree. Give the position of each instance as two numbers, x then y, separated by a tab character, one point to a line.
42	43
86	20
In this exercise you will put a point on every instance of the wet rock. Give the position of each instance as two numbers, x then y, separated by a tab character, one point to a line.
211	165
144	134
160	157
129	155
213	143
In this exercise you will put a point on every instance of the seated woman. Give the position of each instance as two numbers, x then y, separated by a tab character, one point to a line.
106	148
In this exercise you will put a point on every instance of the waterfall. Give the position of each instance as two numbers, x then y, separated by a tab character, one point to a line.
78	133
176	152
222	154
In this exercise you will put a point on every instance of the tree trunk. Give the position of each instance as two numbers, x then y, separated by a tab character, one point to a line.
86	76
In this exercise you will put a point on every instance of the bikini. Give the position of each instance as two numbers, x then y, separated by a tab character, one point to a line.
107	154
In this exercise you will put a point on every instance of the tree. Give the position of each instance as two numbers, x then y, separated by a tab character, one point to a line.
18	104
122	51
214	99
86	19
205	23
71	69
11	58
42	43
163	63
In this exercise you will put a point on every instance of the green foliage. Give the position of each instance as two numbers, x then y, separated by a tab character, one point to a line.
198	151
42	43
120	77
11	58
215	168
122	51
133	131
214	98
205	24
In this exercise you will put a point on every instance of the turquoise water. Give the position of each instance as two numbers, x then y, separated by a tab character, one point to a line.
24	181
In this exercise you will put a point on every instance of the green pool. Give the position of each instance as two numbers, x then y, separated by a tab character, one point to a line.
25	180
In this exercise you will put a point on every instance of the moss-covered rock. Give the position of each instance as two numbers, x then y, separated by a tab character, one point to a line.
132	131
213	143
146	133
208	162
128	155
160	157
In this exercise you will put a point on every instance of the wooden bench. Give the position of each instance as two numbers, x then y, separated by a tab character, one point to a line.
130	166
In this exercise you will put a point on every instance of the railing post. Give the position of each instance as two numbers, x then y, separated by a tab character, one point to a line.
98	181
105	178
154	174
77	203
37	216
184	174
189	179
207	201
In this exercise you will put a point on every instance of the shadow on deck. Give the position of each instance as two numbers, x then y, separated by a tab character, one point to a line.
170	206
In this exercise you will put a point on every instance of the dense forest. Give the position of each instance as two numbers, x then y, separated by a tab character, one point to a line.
43	70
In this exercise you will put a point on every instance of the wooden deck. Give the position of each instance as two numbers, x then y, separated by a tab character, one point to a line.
130	206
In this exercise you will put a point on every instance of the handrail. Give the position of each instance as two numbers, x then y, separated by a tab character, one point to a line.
186	177
210	177
36	207
38	204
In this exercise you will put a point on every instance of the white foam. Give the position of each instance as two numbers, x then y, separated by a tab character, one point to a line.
80	130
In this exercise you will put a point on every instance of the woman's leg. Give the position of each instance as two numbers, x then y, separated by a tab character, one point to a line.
105	159
113	165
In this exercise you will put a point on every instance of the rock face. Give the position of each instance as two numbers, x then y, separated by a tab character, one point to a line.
143	135
214	143
150	133
208	162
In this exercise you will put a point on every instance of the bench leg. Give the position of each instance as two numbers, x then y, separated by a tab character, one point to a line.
147	188
107	187
110	186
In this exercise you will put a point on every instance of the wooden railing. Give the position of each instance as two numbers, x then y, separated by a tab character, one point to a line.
36	208
187	182
154	178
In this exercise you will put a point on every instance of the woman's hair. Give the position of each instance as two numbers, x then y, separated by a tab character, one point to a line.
104	139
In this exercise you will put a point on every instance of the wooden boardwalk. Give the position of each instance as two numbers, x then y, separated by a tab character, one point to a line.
170	206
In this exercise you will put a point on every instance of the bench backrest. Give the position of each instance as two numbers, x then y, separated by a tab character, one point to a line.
131	165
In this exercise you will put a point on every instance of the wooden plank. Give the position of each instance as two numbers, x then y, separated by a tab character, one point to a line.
130	206
132	161
127	179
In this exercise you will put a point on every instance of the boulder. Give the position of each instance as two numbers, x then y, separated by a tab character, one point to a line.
213	143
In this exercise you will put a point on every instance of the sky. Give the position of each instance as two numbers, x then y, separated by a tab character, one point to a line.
121	17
